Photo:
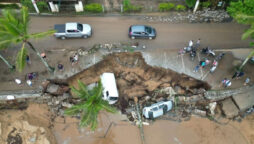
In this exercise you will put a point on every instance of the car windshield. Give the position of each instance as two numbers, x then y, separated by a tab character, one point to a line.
154	109
80	27
148	29
113	98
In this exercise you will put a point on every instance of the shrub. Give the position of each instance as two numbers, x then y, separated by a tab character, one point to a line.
128	7
166	6
9	6
206	4
28	4
42	6
180	8
93	7
190	3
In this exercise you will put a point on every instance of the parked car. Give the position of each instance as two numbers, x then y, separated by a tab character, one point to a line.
110	92
157	109
72	30
142	31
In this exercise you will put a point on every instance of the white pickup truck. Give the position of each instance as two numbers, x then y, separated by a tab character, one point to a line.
72	30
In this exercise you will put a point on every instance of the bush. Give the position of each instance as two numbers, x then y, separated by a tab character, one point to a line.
190	3
180	8
128	7
206	4
28	4
93	7
9	6
42	6
166	6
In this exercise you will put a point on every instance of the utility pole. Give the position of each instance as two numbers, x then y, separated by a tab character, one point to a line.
196	6
35	6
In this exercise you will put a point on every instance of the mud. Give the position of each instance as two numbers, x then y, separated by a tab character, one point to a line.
26	126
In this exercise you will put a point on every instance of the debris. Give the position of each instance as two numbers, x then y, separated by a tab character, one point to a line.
199	112
229	108
212	107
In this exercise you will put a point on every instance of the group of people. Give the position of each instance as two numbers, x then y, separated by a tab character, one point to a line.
238	74
30	76
189	48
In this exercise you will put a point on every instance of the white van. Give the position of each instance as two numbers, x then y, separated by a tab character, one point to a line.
157	109
110	92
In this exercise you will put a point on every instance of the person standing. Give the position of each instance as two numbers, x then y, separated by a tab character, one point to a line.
190	43
198	43
28	61
247	81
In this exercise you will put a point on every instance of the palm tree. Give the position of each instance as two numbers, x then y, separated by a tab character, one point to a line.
14	29
249	33
91	103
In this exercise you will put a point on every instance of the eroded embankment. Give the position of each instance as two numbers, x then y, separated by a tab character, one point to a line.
135	78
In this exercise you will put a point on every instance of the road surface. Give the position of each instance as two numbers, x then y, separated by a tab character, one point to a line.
115	29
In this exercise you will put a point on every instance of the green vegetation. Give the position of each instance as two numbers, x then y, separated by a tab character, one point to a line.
243	12
91	103
166	6
246	7
206	4
42	5
14	30
190	3
180	8
128	7
93	8
9	6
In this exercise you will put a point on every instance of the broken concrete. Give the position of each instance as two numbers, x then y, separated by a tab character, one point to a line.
229	108
244	101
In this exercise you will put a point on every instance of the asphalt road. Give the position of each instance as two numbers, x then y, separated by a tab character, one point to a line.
115	29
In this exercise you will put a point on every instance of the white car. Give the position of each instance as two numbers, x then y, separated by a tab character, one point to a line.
72	30
157	109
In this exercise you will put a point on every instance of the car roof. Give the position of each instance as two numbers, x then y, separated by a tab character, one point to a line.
138	28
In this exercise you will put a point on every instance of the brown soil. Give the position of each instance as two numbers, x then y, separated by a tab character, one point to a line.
26	127
134	77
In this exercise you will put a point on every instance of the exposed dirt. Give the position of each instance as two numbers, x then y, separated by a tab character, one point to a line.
135	77
30	126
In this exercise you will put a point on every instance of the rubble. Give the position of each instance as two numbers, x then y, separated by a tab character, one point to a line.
204	16
229	108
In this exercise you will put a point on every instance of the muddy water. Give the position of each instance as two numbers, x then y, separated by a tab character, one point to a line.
195	131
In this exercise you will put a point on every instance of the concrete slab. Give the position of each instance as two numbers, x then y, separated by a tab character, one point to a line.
244	100
229	108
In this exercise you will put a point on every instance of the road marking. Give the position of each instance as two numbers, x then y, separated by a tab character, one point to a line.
205	75
200	66
183	64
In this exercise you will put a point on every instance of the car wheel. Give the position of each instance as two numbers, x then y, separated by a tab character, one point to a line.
150	115
150	38
132	37
63	37
165	109
85	36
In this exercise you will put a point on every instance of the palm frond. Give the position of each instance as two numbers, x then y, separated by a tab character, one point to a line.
76	92
25	18
42	34
248	33
74	110
21	58
105	105
83	88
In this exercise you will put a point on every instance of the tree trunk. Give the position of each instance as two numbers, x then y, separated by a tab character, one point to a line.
196	6
12	67
50	69
247	58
